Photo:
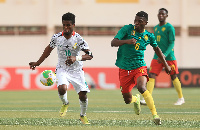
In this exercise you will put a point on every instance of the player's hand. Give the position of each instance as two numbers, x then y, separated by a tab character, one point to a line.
33	65
132	41
168	70
70	60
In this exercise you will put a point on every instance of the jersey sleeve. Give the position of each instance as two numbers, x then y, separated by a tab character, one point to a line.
122	32
171	33
82	43
53	40
153	42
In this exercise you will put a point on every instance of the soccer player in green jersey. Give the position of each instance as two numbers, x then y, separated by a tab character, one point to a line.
165	37
132	41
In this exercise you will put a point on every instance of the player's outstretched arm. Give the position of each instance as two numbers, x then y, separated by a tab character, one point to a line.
162	59
45	54
116	42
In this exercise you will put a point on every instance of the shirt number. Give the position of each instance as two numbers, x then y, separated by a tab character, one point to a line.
158	38
137	46
68	53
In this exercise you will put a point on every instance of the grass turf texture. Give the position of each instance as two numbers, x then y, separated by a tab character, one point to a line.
106	110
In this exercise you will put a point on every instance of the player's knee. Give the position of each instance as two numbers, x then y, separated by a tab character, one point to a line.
173	77
61	90
83	96
127	101
152	75
141	88
127	97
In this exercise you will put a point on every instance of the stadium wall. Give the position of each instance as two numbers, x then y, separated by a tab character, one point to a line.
18	50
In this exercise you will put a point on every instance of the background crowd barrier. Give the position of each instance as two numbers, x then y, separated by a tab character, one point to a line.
22	78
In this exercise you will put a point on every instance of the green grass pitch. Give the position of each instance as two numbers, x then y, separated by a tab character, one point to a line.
27	110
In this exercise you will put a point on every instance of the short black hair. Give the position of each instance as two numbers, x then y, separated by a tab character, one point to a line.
142	14
164	10
69	17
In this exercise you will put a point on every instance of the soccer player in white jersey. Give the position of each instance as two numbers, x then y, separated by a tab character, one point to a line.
69	68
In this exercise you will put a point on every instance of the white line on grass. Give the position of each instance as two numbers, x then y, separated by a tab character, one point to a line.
34	110
92	111
132	111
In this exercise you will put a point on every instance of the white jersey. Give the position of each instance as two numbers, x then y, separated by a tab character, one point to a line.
68	47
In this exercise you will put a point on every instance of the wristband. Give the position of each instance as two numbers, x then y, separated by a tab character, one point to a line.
78	58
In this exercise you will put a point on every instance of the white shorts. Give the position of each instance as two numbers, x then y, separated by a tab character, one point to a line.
76	78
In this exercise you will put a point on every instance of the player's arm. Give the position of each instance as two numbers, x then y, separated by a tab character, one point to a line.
169	49
44	55
71	59
162	59
116	42
88	55
171	37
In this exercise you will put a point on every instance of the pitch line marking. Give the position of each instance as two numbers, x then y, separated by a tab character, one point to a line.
93	111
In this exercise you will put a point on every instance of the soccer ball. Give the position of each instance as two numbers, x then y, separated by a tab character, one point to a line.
48	77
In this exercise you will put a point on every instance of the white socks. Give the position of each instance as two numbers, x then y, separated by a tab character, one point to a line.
64	98
83	105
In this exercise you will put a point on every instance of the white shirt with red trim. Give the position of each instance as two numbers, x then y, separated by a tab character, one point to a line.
68	47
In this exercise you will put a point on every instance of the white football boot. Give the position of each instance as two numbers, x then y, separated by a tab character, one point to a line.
143	102
180	101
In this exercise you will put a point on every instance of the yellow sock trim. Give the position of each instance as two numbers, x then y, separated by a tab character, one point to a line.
149	101
150	85
177	85
133	99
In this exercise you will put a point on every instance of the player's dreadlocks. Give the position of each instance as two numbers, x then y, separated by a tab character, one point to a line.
142	14
164	10
69	16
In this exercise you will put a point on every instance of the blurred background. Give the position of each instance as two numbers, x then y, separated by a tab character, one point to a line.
26	27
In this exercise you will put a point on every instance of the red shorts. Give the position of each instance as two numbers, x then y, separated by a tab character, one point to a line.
156	67
128	78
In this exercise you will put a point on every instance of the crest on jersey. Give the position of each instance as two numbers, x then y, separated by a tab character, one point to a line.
163	29
133	32
146	37
75	46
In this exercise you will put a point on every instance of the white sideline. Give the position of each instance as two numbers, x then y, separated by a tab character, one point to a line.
92	111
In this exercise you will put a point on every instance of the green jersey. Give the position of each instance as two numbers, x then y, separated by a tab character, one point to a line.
131	57
165	37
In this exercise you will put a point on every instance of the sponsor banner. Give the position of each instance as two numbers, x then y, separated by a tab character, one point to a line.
163	80
189	77
22	78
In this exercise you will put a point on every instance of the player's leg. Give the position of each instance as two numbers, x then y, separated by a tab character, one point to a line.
83	100
150	86
177	86
155	69
126	85
62	90
82	89
141	86
176	82
129	98
151	82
